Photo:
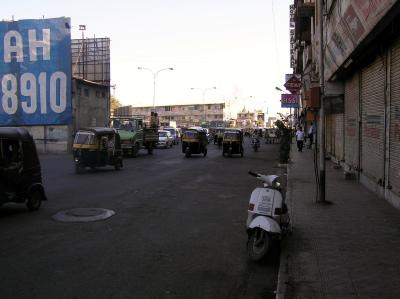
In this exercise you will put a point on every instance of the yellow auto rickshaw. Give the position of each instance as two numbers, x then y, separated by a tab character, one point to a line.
194	141
232	142
97	147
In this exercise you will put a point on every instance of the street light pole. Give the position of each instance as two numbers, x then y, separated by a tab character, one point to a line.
321	128
204	94
154	80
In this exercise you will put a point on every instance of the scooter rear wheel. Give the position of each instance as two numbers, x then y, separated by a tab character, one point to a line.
258	245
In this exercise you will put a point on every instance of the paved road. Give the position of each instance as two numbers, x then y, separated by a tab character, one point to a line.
178	231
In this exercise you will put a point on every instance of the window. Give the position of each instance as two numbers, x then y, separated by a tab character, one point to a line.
167	108
85	138
86	92
103	94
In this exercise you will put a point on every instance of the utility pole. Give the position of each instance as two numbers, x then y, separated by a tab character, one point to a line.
321	130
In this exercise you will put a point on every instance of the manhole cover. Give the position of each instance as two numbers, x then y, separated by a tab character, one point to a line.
83	215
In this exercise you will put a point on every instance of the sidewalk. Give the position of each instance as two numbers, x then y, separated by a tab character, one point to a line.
347	249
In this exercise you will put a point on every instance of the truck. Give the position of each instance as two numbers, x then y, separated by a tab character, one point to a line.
150	133
130	130
135	134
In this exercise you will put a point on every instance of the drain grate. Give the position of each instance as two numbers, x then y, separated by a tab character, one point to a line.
83	215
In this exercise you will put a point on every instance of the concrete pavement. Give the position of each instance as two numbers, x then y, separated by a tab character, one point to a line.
347	249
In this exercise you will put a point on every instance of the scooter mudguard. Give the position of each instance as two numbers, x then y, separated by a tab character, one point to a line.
265	223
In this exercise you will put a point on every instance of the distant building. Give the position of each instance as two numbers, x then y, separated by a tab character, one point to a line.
184	115
271	122
246	119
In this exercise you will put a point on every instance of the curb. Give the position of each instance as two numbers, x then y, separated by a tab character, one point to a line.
283	274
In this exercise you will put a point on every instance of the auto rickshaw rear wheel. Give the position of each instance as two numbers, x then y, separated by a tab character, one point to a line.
79	169
34	200
118	165
135	150
187	153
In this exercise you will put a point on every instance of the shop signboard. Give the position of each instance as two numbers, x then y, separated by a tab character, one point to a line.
289	101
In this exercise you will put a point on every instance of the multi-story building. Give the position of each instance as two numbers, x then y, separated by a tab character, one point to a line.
246	119
361	50
184	115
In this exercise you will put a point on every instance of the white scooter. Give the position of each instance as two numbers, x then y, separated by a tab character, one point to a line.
268	216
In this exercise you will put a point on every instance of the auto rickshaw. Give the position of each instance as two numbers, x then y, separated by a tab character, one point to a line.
20	172
194	141
97	147
232	142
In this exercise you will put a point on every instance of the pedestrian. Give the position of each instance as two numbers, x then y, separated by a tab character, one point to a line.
311	132
300	138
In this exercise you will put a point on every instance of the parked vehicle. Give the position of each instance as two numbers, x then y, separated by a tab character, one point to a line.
175	135
97	147
232	142
20	172
194	141
267	218
164	139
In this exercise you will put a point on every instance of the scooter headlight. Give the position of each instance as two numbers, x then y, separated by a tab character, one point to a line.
276	183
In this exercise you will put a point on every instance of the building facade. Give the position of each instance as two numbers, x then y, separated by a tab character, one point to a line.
183	115
362	77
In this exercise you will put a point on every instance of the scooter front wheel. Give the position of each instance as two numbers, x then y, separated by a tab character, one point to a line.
258	245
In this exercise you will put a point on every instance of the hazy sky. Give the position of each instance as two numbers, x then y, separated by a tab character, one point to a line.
241	47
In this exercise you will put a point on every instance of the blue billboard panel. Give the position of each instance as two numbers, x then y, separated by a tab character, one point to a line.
289	101
35	72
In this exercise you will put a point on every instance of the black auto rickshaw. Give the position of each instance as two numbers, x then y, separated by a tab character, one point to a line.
20	172
232	142
96	147
194	141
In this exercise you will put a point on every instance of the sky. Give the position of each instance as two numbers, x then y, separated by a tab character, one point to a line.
240	47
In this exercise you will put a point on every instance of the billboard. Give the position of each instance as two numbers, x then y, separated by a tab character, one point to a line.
35	72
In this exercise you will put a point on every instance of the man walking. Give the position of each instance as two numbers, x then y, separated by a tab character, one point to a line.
300	138
311	132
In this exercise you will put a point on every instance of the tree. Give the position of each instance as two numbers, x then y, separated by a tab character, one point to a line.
115	103
285	135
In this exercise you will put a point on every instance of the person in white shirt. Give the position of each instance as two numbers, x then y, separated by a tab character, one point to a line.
300	138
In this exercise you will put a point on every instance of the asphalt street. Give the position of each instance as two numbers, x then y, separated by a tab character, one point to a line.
178	231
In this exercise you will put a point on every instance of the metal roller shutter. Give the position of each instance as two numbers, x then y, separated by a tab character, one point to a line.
394	141
351	118
373	109
338	125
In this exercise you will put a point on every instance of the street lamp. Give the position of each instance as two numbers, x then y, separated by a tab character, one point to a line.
154	80
204	93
